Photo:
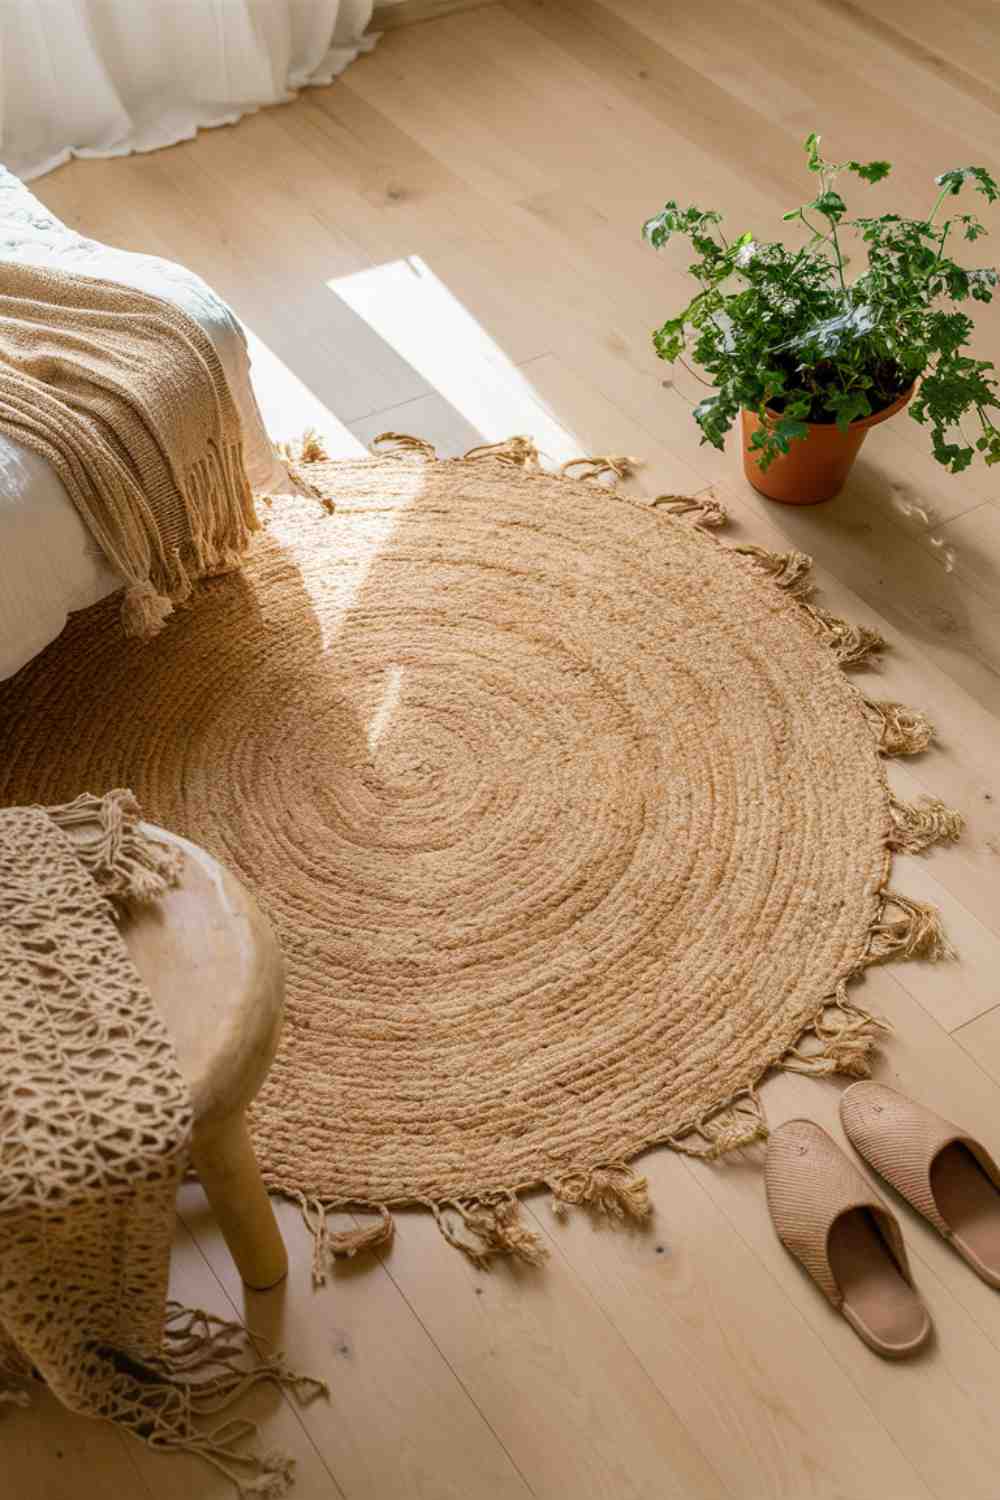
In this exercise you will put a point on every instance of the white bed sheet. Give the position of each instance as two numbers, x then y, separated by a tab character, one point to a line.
49	563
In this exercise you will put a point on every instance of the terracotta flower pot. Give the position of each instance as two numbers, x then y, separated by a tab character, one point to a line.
815	467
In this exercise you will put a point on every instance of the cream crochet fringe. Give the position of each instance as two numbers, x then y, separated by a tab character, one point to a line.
94	1137
125	396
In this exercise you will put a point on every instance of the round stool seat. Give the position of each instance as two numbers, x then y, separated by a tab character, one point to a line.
214	969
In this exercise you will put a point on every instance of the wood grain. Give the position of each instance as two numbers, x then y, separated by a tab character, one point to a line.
395	13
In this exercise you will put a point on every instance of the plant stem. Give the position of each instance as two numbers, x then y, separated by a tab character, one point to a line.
937	260
681	360
942	195
836	242
817	232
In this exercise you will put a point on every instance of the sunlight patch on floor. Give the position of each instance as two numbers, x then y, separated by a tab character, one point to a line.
412	310
289	407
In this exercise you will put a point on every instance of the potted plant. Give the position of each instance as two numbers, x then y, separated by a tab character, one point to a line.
810	355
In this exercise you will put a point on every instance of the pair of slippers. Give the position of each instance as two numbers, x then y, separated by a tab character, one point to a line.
849	1240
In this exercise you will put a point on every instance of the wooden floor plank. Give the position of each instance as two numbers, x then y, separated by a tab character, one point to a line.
44	1451
714	1331
399	1425
938	1408
564	1393
981	1039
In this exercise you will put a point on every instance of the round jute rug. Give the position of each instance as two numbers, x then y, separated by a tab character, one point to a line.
569	820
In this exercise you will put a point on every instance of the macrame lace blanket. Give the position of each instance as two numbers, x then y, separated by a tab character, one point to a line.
95	1126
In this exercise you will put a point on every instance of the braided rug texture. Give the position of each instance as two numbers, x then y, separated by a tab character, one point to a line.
569	821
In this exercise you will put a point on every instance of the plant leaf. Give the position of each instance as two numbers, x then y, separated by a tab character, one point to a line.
788	429
831	205
871	171
955	179
772	325
847	406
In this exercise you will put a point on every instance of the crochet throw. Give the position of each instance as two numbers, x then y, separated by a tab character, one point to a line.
95	1125
126	397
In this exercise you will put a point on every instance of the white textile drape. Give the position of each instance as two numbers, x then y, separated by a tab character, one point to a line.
105	77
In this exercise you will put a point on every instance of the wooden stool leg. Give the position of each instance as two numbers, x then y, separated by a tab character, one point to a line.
224	1160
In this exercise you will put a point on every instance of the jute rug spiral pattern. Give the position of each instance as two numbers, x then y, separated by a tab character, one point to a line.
571	824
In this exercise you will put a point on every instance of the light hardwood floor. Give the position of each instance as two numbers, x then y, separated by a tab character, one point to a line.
446	242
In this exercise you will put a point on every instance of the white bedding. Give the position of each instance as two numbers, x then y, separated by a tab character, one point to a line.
49	564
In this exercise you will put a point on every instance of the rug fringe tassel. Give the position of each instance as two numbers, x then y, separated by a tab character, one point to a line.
915	933
916	826
898	730
620	466
847	1054
852	645
615	1190
308	449
123	862
703	511
496	1224
329	1243
844	1036
405	442
791	571
740	1123
519	451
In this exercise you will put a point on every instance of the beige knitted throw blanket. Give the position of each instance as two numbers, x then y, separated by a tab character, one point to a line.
126	397
95	1123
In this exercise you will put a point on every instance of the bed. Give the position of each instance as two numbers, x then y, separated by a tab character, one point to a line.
49	564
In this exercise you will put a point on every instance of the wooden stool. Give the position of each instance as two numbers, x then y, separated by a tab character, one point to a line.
214	968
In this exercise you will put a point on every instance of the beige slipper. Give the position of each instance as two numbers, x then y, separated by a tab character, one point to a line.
844	1235
946	1175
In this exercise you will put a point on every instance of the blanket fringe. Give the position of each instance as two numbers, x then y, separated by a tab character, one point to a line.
703	511
614	1190
329	1243
495	1223
169	1398
897	729
916	932
124	863
791	571
221	514
916	826
145	610
197	1372
221	519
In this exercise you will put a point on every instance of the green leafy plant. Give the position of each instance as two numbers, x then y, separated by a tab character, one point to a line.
787	333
